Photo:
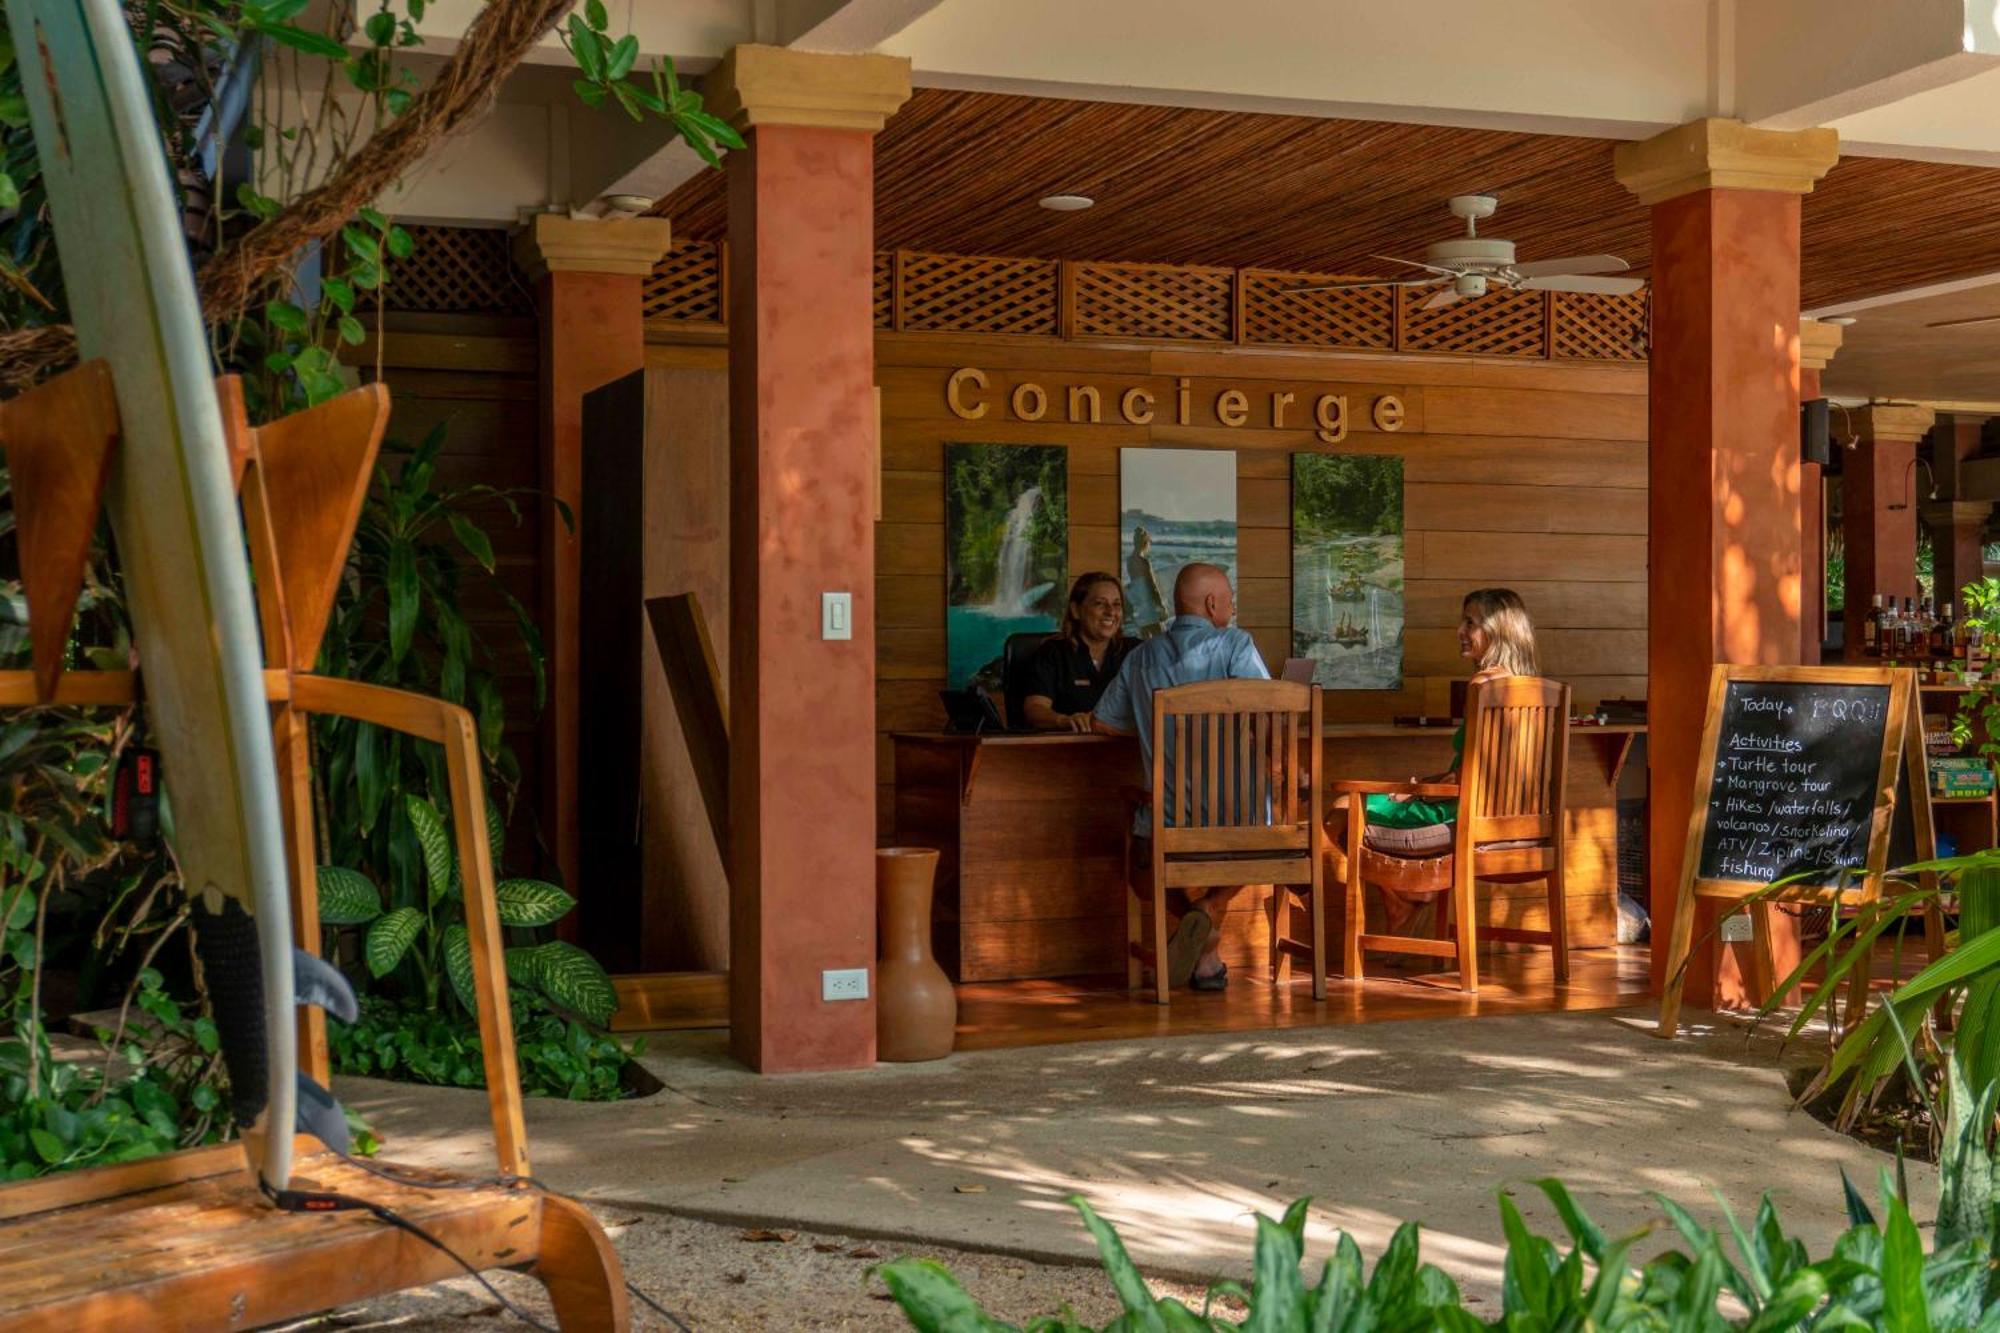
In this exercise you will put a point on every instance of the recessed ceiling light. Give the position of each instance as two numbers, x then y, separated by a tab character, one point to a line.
1067	203
1842	320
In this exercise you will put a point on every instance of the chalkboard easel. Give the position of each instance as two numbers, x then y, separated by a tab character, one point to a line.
1797	779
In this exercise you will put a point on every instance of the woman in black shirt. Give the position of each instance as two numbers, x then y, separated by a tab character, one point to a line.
1068	672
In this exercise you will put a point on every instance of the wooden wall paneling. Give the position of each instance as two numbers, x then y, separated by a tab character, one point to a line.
685	495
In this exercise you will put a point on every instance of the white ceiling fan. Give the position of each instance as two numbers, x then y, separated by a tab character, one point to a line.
1471	264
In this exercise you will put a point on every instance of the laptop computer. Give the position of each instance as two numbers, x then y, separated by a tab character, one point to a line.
971	711
1298	670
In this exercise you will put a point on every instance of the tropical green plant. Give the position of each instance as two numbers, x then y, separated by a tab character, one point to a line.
556	1056
429	938
398	621
1878	1275
157	1086
336	75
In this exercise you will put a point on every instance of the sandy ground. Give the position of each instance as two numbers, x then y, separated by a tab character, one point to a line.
712	1278
1177	1141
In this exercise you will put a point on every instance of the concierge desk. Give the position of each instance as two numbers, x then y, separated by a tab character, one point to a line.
1030	830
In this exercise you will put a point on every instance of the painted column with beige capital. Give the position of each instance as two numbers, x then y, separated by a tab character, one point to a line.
1957	523
587	274
802	429
1817	344
1881	490
1723	506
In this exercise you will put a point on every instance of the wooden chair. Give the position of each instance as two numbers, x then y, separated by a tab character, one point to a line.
1509	831
1244	794
185	1240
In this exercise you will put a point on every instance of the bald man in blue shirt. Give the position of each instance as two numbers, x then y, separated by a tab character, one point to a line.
1200	644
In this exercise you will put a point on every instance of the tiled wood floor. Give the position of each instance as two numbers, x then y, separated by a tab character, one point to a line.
994	1015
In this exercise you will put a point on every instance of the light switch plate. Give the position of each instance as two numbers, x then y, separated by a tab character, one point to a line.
836	615
1737	929
844	983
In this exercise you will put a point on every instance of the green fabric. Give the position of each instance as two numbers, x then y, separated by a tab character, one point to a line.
1419	813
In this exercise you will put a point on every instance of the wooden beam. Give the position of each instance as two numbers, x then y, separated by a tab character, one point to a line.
659	1001
681	633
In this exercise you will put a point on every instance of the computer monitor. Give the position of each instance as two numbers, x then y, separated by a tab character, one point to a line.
1298	670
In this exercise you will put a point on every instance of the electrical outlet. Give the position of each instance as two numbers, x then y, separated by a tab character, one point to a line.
844	983
1737	929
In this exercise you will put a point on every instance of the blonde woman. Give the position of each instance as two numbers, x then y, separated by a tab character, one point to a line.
1070	671
1496	635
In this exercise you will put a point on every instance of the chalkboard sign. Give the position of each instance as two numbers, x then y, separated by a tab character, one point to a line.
1794	782
1799	775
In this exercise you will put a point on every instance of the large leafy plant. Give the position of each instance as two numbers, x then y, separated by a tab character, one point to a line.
398	621
1757	1277
556	1056
432	940
72	894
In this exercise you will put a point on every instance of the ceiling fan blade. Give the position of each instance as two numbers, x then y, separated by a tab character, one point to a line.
1352	286
1449	296
1962	323
1433	268
1594	286
1550	268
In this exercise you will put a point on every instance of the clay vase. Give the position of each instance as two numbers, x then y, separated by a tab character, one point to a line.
916	1009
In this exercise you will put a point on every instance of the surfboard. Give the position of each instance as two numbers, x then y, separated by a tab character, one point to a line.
172	504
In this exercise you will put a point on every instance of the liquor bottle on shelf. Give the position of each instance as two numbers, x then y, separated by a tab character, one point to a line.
1912	630
1871	629
1943	635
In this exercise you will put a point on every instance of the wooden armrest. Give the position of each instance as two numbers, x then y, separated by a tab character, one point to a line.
1357	787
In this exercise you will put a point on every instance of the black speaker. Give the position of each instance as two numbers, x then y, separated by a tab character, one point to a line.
1815	432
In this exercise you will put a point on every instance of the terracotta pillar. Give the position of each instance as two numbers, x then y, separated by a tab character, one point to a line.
802	426
1723	509
1881	491
1956	558
587	275
1817	344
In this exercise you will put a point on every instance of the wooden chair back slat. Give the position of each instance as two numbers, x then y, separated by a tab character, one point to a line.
1517	747
1236	761
1236	800
1510	826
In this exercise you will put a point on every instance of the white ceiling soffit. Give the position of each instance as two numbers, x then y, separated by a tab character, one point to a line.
1617	68
1894	350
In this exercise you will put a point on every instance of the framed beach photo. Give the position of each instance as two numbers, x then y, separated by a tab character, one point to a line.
1175	506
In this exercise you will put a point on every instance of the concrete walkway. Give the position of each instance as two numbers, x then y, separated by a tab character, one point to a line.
1178	1141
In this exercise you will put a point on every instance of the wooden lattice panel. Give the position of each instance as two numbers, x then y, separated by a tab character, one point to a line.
1500	323
1354	317
686	285
978	294
457	271
1153	301
1601	328
885	290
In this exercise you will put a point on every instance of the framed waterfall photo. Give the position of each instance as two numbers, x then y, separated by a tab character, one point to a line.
1006	539
1347	569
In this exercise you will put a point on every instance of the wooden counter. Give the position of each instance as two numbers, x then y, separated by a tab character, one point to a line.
1031	829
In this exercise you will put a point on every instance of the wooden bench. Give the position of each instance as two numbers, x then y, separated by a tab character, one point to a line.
185	1242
